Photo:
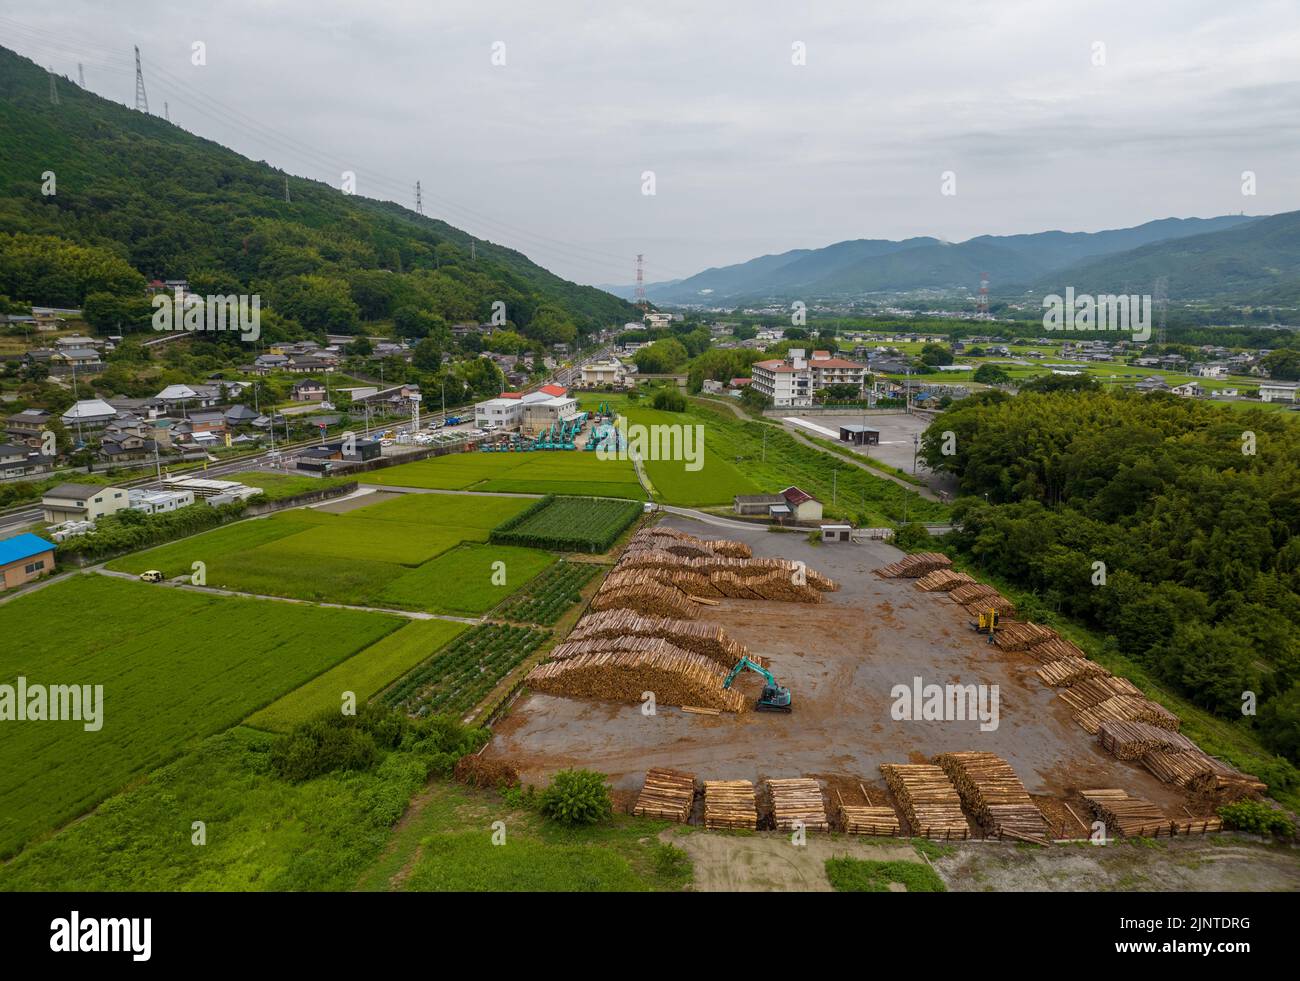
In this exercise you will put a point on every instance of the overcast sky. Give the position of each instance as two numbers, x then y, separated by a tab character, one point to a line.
751	153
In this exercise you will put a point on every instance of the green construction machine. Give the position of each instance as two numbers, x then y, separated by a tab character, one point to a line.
773	698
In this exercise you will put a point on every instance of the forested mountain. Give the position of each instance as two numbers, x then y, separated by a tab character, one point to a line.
864	266
136	198
1193	511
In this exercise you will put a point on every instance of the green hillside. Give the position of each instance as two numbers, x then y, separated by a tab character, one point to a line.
138	198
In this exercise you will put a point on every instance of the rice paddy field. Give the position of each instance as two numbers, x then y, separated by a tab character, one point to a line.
175	666
400	553
574	472
365	674
716	481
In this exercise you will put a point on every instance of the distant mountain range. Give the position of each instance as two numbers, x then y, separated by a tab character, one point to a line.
1231	256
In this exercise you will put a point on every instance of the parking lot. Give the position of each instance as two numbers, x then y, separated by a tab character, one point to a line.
898	434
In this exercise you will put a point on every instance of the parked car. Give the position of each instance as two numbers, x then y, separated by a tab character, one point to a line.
151	575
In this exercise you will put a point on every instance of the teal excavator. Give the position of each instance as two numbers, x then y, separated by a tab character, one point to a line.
773	698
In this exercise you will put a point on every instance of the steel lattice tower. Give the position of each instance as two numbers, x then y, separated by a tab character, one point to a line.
141	99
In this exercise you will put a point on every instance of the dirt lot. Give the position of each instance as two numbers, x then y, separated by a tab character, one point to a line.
840	658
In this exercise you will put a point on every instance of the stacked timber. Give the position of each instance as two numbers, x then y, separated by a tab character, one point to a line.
798	801
730	804
1133	740
1196	826
995	601
1199	773
707	639
721	575
667	794
679	678
992	792
965	595
1130	817
621	645
1069	671
1017	636
915	566
1125	708
928	799
859	820
729	548
772	586
943	581
681	543
1054	649
1093	691
648	600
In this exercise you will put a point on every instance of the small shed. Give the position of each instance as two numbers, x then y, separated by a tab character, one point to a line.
837	533
860	435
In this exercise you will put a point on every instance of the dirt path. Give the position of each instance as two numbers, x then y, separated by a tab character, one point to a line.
769	862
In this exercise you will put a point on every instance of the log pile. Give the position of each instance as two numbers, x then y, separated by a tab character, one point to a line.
1055	649
733	550
667	794
798	800
1069	671
681	543
943	581
1093	691
1199	773
992	792
676	678
619	645
928	799
1018	636
707	639
649	600
996	601
771	586
730	804
915	566
720	575
965	595
1196	826
1129	817
859	820
1125	708
1133	740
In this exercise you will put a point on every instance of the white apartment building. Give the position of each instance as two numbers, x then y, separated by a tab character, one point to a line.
156	502
793	381
1272	392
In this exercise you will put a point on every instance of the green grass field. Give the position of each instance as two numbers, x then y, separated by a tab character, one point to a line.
540	472
365	674
717	480
176	666
380	555
278	486
460	582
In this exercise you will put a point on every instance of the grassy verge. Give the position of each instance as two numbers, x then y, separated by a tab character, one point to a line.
865	875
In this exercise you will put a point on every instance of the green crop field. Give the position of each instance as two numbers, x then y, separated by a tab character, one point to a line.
465	672
540	472
175	666
569	524
716	481
545	599
381	555
365	674
278	486
460	582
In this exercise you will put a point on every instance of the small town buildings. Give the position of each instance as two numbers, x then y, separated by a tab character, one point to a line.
607	371
82	502
791	504
308	391
1277	392
24	558
27	426
89	414
157	502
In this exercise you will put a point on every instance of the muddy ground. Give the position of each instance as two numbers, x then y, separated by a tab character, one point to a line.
840	659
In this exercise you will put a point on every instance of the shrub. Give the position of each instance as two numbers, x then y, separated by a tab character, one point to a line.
1256	818
914	537
669	400
577	797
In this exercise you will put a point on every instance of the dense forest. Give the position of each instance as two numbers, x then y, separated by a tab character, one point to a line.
1194	512
135	198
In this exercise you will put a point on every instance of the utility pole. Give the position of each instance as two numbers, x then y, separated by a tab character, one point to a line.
141	98
54	90
835	485
419	201
167	113
286	188
81	75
